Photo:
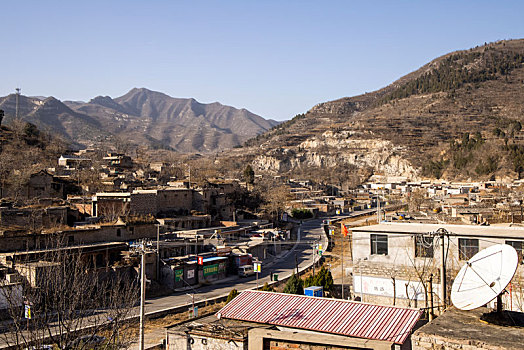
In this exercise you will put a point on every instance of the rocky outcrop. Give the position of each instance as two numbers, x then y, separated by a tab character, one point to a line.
334	149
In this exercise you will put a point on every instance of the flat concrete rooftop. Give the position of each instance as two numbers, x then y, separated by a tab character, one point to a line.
459	230
467	328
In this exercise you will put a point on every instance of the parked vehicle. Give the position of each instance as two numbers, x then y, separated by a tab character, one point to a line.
246	270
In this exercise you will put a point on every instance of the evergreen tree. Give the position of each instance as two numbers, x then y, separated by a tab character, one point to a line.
324	279
249	174
232	295
309	281
294	285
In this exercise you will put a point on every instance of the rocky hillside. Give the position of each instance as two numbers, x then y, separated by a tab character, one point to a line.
142	117
459	116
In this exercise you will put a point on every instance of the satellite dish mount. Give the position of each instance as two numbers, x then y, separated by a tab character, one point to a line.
485	277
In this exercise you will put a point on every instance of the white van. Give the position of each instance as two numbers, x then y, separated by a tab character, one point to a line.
246	270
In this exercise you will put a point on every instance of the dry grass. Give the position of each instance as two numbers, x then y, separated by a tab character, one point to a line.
131	331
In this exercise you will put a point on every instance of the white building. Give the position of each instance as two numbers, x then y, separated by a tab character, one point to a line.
391	259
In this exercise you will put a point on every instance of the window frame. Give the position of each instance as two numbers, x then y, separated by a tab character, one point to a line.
466	249
420	250
520	249
375	240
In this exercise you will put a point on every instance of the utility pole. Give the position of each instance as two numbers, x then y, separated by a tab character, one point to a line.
17	102
378	208
361	284
394	290
142	297
443	233
192	295
431	311
342	267
313	255
157	252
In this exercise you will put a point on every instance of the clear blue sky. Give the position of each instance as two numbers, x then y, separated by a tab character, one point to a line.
275	58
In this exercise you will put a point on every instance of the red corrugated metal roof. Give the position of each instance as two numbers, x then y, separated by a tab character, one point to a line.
353	319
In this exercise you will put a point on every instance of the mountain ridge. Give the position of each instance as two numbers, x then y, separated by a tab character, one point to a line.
458	116
140	116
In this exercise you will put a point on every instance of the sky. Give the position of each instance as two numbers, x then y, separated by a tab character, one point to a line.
274	58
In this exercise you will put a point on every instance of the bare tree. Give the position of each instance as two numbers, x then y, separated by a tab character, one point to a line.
113	210
69	296
275	199
416	199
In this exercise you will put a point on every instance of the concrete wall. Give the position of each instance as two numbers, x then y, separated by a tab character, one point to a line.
400	262
183	341
262	339
401	250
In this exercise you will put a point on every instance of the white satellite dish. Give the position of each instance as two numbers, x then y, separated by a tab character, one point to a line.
484	276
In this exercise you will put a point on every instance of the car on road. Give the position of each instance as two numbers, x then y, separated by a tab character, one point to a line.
246	270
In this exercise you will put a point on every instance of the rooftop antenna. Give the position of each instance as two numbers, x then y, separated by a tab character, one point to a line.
17	101
484	277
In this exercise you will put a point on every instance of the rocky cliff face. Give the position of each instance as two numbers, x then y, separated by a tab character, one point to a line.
338	149
459	117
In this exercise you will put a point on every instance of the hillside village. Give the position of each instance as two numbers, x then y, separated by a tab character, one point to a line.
349	226
136	205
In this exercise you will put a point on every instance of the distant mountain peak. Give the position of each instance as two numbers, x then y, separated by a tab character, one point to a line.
143	116
108	102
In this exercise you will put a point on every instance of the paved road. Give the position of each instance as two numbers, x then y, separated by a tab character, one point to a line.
310	231
283	265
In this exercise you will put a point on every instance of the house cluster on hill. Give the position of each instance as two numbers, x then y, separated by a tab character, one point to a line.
61	211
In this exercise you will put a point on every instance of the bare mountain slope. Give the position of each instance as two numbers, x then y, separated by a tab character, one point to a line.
143	117
459	116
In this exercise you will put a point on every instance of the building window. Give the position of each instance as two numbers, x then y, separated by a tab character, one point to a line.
118	232
468	247
423	246
379	244
519	247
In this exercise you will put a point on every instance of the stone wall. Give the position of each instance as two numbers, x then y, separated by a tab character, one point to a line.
33	218
21	240
176	200
144	203
433	342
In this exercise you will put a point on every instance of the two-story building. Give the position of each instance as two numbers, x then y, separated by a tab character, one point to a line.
392	262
